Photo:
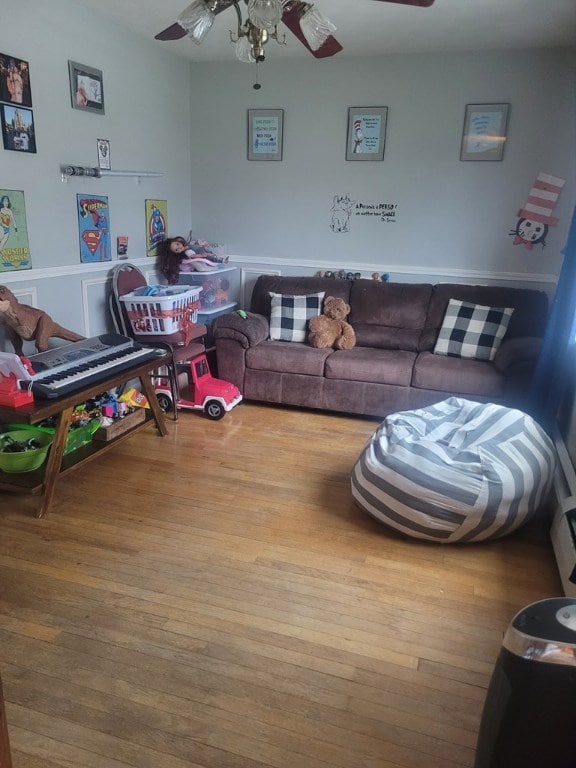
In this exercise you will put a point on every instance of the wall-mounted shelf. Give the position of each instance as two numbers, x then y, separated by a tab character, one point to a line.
98	173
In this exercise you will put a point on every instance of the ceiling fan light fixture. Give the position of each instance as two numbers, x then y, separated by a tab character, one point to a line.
315	27
265	14
197	20
244	50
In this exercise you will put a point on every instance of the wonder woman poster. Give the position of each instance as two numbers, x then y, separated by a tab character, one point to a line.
14	250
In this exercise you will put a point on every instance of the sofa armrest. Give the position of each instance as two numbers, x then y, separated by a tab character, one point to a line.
514	353
247	331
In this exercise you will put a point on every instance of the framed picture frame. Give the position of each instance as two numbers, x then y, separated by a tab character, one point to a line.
18	131
265	134
366	137
86	88
484	132
103	147
15	80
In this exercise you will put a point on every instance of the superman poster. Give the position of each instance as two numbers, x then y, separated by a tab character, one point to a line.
14	250
94	228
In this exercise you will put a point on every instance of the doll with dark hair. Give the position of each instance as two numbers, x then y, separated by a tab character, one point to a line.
175	255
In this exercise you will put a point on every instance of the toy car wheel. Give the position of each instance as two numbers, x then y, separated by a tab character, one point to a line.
214	410
164	402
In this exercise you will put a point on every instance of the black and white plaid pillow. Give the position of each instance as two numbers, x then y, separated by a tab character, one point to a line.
472	330
290	314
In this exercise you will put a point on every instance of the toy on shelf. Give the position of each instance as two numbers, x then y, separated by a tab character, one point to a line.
14	369
340	274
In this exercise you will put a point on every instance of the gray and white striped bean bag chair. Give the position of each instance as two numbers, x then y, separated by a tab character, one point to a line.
457	471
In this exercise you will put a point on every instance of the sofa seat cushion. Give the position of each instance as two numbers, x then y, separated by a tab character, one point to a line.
456	374
376	366
287	357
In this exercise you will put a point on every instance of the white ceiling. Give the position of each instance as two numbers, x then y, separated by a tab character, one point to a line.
368	27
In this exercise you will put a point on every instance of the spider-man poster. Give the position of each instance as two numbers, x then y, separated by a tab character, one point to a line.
94	228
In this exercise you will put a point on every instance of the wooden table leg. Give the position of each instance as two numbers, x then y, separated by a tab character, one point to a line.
5	759
55	459
158	413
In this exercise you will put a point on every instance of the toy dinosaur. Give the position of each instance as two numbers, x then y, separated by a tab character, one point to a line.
26	323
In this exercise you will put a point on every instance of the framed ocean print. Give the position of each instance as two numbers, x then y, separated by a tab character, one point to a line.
484	132
265	134
366	136
86	88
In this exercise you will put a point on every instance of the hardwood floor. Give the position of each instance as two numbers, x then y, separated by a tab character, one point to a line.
215	599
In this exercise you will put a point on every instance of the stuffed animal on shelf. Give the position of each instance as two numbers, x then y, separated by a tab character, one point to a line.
331	329
26	323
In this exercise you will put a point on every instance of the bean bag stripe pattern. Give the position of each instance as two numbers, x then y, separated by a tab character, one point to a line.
457	471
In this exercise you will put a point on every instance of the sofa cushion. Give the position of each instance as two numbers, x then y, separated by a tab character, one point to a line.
297	286
472	330
389	315
289	315
378	366
457	375
287	357
530	308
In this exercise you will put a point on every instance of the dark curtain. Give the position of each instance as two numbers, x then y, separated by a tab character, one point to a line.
556	371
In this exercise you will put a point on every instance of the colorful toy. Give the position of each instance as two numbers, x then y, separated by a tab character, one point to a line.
331	329
201	392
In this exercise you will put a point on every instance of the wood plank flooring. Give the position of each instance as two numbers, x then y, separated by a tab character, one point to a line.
214	599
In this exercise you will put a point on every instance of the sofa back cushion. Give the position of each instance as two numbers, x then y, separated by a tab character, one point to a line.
528	319
389	315
296	286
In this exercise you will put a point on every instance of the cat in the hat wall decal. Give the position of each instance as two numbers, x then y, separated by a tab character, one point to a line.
536	215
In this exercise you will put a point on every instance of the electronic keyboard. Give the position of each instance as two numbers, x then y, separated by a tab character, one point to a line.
66	369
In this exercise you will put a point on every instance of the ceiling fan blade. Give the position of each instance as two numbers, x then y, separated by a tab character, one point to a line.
291	19
173	32
419	3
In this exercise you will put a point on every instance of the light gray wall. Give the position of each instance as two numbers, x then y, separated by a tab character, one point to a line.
451	215
189	122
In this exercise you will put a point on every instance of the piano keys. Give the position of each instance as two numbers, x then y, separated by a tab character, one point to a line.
70	367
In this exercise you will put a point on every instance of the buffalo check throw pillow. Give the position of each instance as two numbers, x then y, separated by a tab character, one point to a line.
290	314
472	330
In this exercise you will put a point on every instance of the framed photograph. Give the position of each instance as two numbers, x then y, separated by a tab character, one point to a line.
86	88
484	133
18	128
103	154
366	133
265	132
15	80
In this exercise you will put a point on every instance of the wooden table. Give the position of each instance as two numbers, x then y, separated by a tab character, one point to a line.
43	480
5	759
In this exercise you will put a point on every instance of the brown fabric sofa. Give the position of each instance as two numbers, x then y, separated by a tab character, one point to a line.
392	367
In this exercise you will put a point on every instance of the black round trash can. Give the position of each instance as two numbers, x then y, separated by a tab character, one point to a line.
529	716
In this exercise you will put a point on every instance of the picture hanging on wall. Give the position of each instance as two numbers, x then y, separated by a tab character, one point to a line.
14	249
156	224
15	80
265	134
94	228
18	128
366	133
484	133
103	147
86	88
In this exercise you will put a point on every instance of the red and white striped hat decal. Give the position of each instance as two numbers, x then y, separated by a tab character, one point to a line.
542	199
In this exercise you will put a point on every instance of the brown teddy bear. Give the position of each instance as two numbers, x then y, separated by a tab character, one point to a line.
331	329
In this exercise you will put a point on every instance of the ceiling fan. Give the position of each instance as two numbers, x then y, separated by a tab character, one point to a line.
303	19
